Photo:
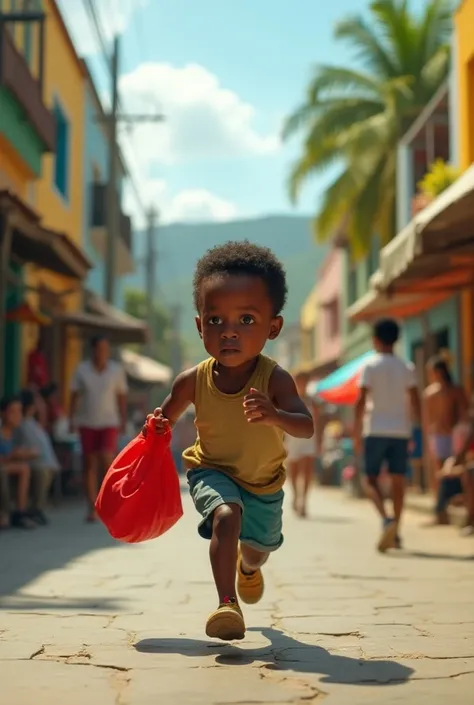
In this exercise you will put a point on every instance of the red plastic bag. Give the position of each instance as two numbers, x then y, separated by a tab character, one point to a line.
140	497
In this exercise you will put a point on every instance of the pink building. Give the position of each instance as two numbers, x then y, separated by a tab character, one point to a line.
329	295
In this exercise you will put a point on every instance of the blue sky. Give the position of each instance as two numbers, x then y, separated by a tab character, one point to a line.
225	74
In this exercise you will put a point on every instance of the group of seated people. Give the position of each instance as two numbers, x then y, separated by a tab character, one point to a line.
28	461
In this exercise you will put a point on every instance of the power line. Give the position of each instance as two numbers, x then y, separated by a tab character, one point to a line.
98	30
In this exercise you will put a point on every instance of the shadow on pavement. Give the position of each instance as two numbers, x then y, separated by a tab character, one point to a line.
286	653
431	556
25	555
328	520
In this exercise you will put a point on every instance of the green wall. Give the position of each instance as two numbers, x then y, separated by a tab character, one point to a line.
356	338
19	132
13	340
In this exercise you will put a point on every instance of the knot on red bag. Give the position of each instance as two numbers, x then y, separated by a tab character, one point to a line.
151	433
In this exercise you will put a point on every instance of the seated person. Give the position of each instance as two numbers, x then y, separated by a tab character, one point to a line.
465	460
31	436
13	463
450	486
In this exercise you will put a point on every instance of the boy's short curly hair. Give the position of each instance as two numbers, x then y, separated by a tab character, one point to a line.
244	257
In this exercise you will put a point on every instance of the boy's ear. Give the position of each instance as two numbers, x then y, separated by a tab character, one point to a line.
197	320
275	328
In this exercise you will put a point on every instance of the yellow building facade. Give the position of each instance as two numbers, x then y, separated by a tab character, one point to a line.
464	63
59	192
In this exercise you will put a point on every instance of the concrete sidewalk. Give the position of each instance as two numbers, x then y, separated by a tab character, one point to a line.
86	620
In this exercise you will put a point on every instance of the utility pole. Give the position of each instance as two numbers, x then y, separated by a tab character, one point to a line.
150	275
112	198
176	361
112	211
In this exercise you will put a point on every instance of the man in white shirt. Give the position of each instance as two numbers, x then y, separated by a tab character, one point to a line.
98	409
387	385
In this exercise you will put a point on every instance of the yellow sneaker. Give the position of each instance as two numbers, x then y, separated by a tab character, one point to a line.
249	587
226	623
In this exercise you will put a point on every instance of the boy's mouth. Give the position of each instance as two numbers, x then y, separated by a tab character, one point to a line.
229	350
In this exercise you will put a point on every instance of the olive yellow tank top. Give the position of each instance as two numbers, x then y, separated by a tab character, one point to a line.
252	455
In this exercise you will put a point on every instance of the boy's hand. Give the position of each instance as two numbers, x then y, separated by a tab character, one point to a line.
160	423
259	408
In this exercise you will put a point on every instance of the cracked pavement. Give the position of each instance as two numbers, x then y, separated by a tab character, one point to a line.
85	619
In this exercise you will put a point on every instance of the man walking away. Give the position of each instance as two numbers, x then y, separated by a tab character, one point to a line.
383	422
98	397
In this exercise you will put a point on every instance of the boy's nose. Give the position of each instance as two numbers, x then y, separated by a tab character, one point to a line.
229	334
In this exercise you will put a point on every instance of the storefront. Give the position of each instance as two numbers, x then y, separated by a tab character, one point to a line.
24	242
422	273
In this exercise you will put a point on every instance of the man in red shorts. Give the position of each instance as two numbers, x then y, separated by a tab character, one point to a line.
98	410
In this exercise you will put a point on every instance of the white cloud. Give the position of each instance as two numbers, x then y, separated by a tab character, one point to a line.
199	205
186	206
113	16
204	120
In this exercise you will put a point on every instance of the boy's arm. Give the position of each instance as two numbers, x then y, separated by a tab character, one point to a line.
359	409
359	416
178	400
282	406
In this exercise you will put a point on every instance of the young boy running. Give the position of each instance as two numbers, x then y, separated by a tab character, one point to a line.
244	404
382	418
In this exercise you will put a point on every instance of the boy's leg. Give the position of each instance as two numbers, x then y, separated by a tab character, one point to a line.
261	534
376	451
223	550
374	455
217	498
397	458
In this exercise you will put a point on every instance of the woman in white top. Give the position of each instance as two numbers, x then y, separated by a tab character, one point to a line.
301	458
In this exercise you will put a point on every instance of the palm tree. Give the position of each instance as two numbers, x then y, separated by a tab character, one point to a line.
355	116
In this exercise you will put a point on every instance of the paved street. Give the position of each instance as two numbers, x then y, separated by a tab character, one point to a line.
85	620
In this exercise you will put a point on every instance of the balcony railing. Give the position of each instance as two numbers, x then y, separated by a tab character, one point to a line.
99	215
15	75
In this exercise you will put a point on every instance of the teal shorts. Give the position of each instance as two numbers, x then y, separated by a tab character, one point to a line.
261	514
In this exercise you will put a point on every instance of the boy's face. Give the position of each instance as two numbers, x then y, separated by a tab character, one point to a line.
236	318
13	415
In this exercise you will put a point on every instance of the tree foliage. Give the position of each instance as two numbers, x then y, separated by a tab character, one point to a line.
354	116
135	304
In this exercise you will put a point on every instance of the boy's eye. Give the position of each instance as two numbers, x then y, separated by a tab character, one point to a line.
247	320
214	321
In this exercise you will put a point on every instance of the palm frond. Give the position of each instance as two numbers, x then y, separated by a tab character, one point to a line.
357	117
334	206
337	116
338	79
314	160
368	49
297	120
435	27
434	73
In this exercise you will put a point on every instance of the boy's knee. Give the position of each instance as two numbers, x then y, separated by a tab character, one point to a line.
227	519
253	559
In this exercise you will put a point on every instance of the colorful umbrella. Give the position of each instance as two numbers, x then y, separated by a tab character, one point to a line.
341	386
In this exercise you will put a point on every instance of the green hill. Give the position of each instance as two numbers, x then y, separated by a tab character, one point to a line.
179	247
